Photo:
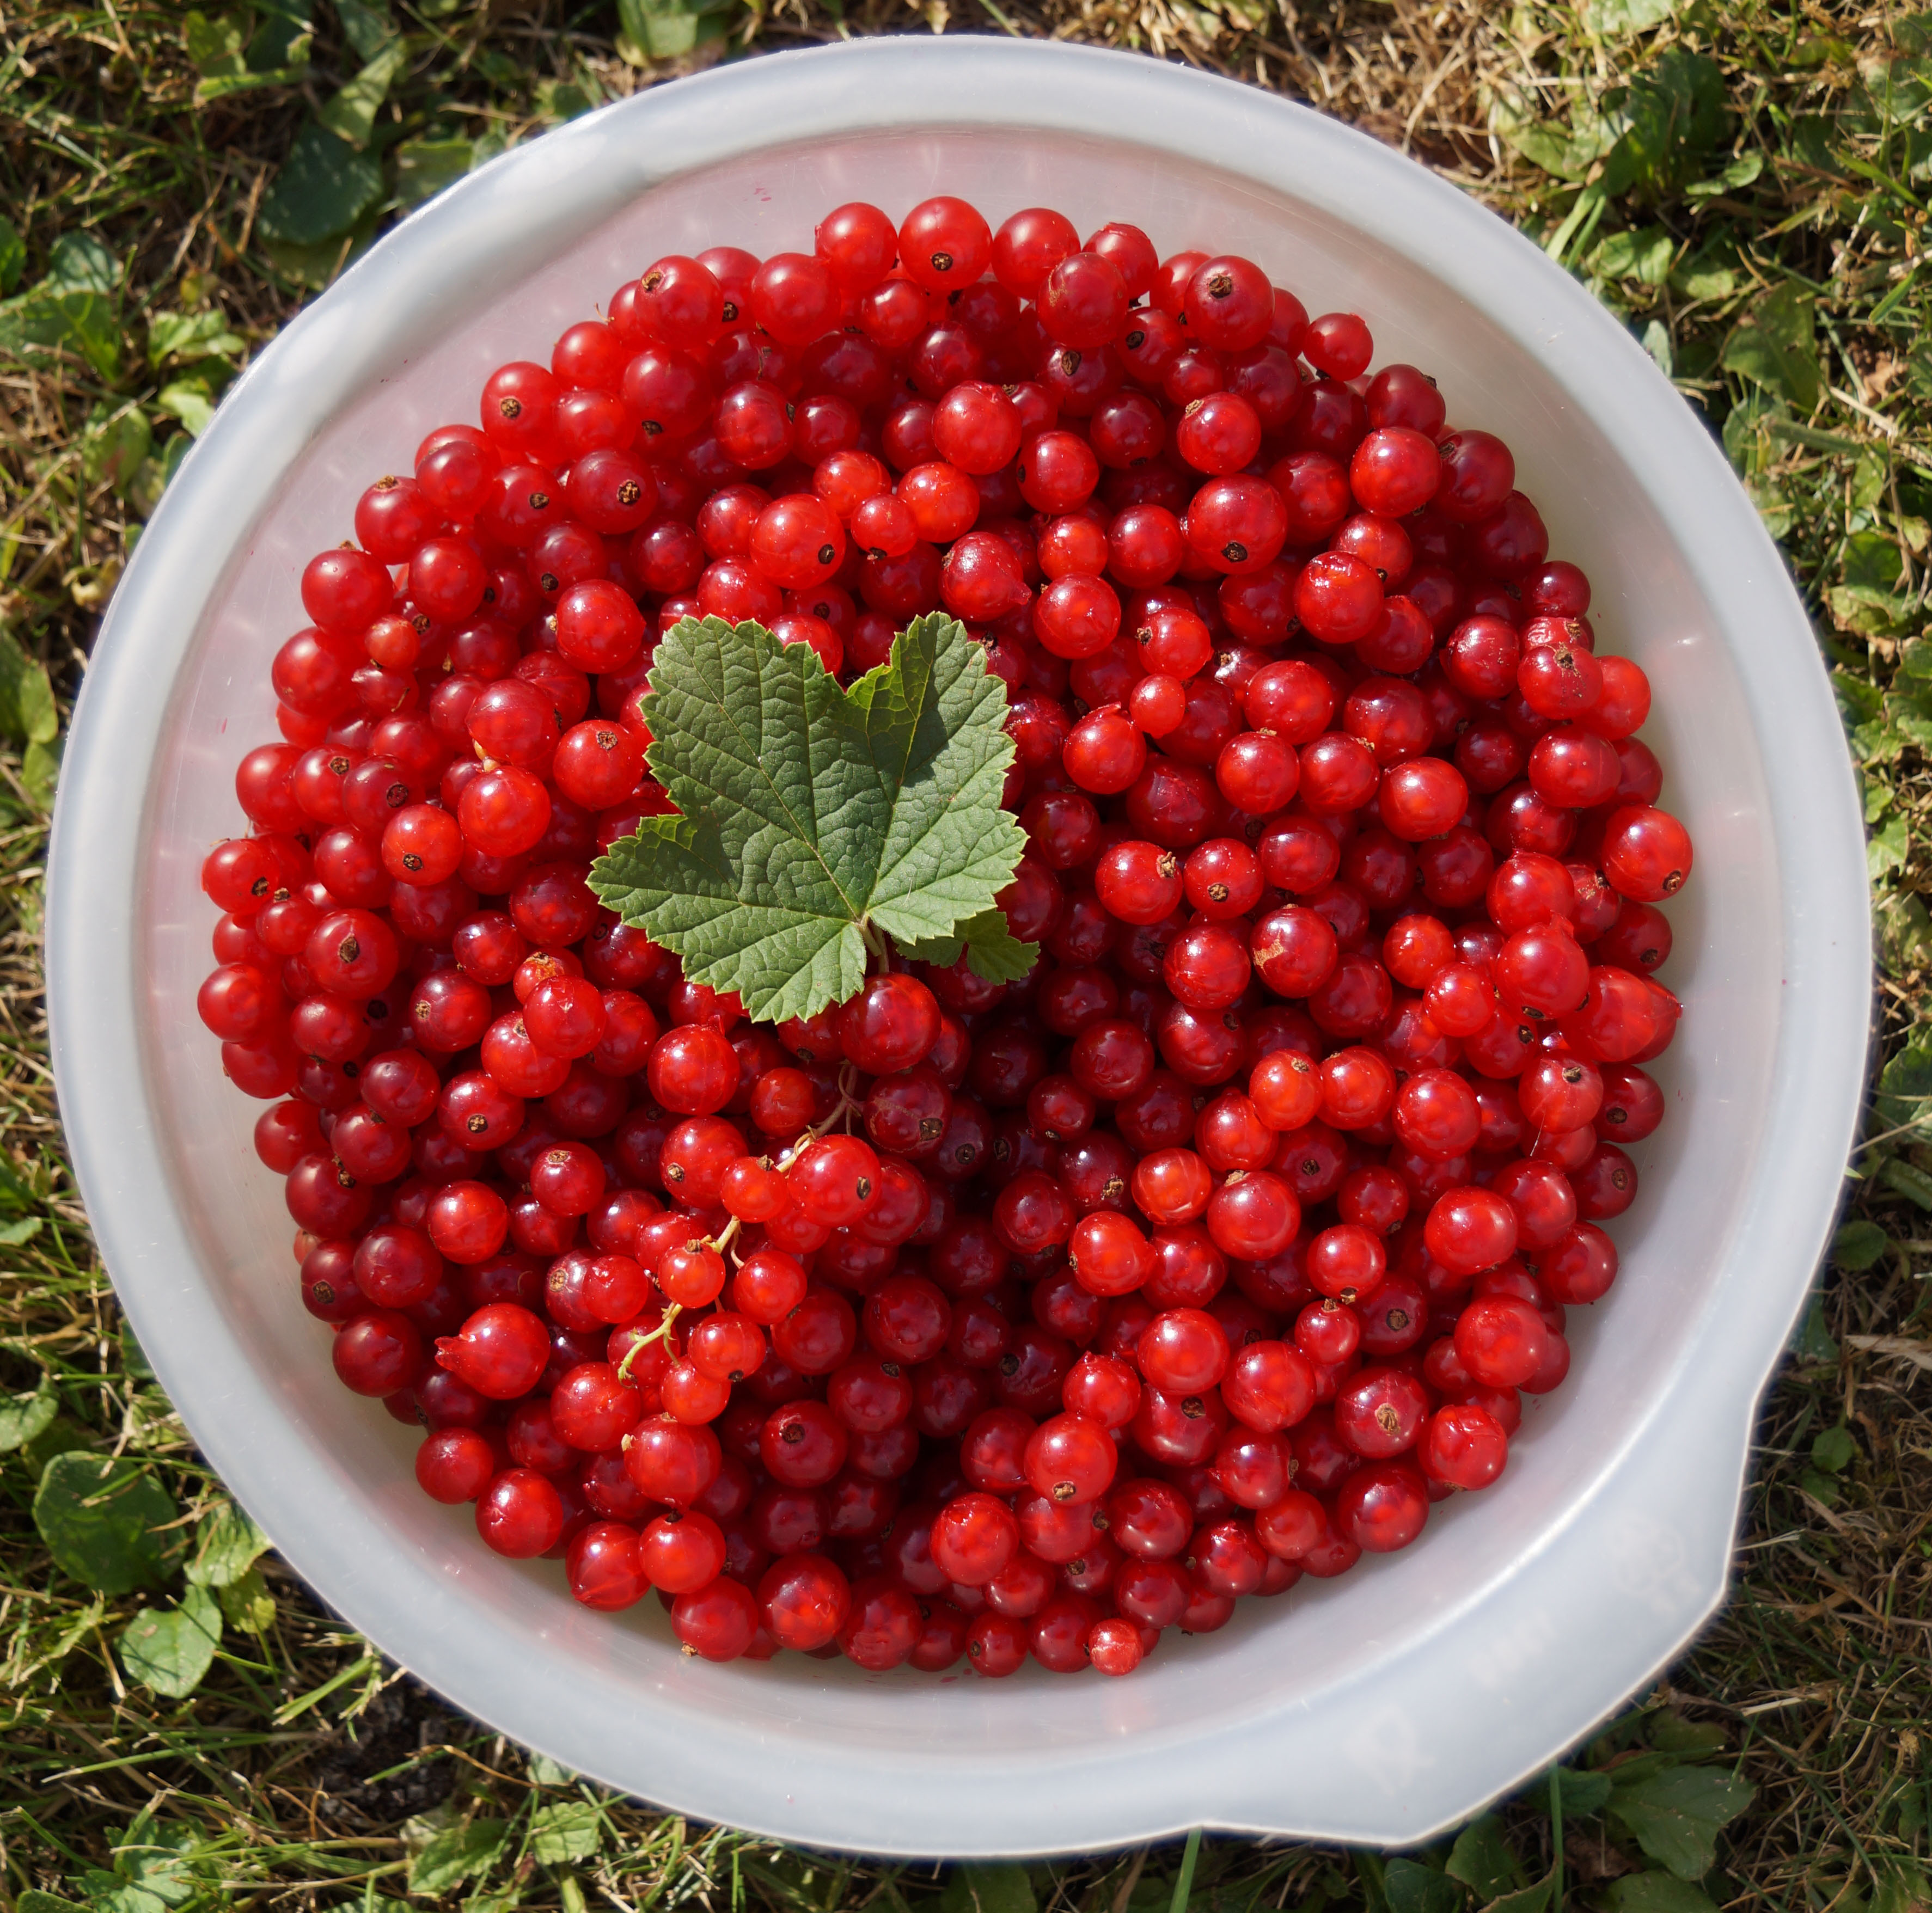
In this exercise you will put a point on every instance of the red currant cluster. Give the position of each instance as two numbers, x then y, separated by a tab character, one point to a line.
966	1317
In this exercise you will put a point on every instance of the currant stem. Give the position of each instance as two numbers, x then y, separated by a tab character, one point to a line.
671	1313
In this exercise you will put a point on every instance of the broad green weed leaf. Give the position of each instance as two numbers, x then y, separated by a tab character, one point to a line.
1566	151
35	1901
1833	1450
1411	1888
112	448
229	59
424	167
318	265
213	46
1482	1860
351	114
157	472
810	814
1887	849
62	1435
33	321
1529	1899
81	263
1701	280
456	1855
45	320
227	1545
171	1650
94	329
1672	115
1898	1885
108	1893
13	255
1643	254
1676	1816
23	1417
992	1886
1655	1893
190	401
1910	1180
1859	1244
246	1603
367	26
1583	1793
1904	1086
40	771
1616	20
323	189
564	1831
1671	1733
668	29
191	335
101	1518
40	722
1773	346
1742	172
27	714
558	100
281	42
215	51
161	1859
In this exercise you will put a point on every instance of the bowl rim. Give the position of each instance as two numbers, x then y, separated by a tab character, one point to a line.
1240	1782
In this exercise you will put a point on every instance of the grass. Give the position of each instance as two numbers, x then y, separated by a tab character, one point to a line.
1747	184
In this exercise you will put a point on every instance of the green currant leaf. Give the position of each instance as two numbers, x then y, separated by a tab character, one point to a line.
813	818
992	951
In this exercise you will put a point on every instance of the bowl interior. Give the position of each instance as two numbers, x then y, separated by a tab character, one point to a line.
345	1508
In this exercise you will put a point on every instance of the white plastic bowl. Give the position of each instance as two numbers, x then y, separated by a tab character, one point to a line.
1378	1707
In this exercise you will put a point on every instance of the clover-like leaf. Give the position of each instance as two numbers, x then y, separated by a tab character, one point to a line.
814	819
170	1649
227	1544
23	1417
106	1520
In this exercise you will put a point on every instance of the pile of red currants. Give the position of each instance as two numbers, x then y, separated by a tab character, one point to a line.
963	1318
